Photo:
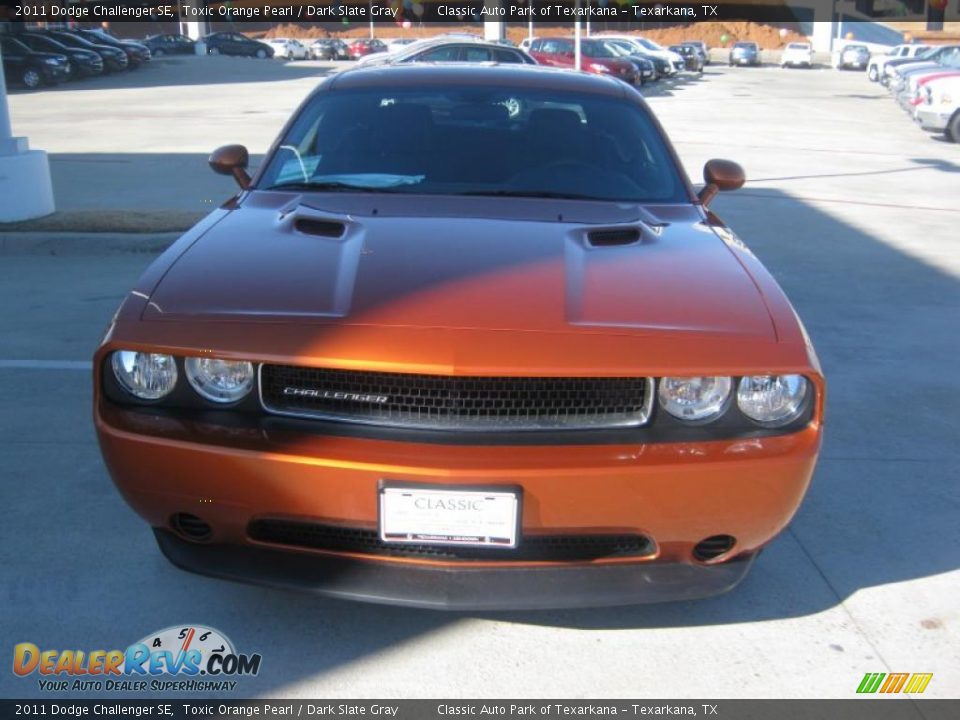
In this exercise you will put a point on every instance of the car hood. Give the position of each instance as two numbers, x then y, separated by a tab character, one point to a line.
470	263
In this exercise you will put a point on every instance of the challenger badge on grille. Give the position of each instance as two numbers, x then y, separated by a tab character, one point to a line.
335	395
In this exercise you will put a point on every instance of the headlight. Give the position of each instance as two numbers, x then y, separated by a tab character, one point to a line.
148	376
945	99
53	61
222	381
695	398
772	399
597	67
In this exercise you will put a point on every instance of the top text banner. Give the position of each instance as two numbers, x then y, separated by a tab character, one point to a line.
412	12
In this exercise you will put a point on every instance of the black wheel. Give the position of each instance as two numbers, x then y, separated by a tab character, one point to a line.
872	73
952	132
31	78
213	51
158	52
261	53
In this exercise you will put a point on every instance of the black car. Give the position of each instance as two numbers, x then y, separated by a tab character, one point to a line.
329	49
692	59
137	53
744	53
170	44
83	63
32	69
233	43
113	58
646	70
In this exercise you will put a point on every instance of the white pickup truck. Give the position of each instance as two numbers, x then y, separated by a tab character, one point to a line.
877	62
939	111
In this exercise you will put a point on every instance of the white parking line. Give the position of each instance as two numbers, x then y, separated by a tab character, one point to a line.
45	365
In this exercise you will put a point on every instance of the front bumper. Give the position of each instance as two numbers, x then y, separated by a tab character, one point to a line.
932	119
445	588
676	494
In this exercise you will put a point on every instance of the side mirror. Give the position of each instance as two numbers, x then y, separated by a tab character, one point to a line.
231	160
720	176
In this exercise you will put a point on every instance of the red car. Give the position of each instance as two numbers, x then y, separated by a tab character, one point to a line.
596	57
359	48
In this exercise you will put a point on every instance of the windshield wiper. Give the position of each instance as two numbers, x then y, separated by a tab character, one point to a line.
329	185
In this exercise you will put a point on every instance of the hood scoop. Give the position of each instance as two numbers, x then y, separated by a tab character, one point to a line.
322	228
614	237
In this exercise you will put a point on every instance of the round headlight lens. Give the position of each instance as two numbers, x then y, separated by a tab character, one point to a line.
695	398
148	376
222	381
772	399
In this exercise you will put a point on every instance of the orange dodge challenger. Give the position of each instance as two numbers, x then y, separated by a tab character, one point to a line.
468	339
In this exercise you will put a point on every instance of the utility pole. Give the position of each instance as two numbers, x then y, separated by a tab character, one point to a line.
576	40
25	188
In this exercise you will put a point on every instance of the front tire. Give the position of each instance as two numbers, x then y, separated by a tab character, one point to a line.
158	52
31	78
952	133
872	73
261	54
213	51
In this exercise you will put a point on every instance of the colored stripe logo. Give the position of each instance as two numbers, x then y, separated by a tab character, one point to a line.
910	683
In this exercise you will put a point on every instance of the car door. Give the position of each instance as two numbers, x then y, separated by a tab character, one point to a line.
14	59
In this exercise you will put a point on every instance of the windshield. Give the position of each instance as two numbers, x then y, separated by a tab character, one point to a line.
476	141
648	44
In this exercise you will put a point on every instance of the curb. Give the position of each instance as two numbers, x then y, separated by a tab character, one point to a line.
66	243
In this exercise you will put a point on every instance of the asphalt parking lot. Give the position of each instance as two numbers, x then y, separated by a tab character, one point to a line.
851	207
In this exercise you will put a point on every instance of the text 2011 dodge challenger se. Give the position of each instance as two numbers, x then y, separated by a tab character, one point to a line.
468	339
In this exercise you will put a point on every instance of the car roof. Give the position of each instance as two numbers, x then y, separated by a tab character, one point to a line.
469	74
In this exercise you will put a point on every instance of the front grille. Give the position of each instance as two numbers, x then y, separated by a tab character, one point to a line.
532	548
455	403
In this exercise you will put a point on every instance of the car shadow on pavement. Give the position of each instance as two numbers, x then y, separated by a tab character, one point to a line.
82	571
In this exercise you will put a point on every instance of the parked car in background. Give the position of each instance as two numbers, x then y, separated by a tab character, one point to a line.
877	62
114	59
395	44
234	43
797	55
288	49
634	411
692	58
362	47
646	70
701	47
596	57
744	53
29	68
83	63
897	75
456	51
661	67
137	53
170	44
853	56
940	109
329	49
648	47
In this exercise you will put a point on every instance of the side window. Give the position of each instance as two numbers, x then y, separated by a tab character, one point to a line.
476	54
536	46
506	56
441	54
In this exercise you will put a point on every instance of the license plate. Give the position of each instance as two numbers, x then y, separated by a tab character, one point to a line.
485	517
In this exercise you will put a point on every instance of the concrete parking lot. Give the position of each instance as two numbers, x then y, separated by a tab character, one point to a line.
850	206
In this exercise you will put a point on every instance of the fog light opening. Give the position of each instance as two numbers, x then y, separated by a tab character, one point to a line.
713	547
190	527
